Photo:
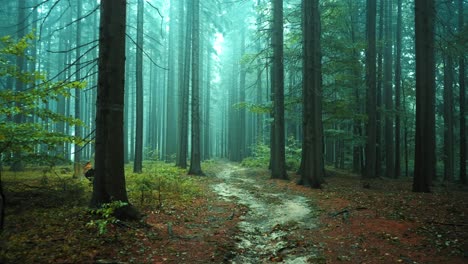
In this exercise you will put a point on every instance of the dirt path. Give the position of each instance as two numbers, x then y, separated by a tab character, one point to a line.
272	229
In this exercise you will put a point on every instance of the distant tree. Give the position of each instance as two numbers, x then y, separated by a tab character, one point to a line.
312	146
278	159
424	160
171	114
109	181
138	162
195	159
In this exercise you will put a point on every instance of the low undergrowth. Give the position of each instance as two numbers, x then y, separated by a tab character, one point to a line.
48	220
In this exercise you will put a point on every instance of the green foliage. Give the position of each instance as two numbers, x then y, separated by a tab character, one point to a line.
106	216
23	115
161	182
260	156
293	154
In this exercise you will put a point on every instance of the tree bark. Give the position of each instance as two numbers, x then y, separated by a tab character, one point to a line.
388	94
371	102
195	158
312	171
462	100
138	162
109	182
278	161
397	92
424	160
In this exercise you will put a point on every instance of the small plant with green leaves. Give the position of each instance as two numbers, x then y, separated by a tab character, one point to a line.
106	216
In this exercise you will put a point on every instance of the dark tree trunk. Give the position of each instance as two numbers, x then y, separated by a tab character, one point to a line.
278	161
448	119
109	181
138	162
462	101
388	93
195	159
312	171
424	160
371	102
398	91
379	78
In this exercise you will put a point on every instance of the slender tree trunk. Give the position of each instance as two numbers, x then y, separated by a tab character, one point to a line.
448	119
109	182
379	78
242	120
78	129
462	100
195	159
424	160
138	162
388	94
397	92
184	92
171	115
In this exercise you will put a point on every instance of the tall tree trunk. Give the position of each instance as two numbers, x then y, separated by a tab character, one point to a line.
77	154
397	91
195	158
138	162
206	134
462	100
312	171
379	78
371	102
448	119
171	115
184	68
242	121
109	182
424	160
388	94
278	161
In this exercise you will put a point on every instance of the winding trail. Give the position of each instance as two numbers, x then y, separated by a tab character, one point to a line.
271	229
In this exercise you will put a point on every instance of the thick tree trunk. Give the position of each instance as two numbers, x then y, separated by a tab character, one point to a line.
312	172
109	181
424	160
278	161
371	102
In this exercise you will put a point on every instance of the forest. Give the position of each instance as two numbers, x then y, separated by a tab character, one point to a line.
233	131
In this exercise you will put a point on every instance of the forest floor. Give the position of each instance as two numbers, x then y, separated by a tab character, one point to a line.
237	215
